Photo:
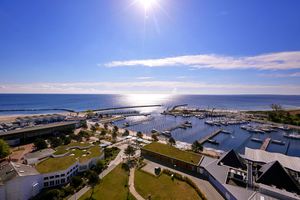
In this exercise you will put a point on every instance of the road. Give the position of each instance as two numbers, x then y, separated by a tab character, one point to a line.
111	166
131	185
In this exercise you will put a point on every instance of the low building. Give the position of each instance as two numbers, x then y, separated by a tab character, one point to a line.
48	168
253	176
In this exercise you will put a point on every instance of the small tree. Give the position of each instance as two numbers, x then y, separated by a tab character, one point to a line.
55	142
129	151
93	128
67	141
84	125
99	166
4	149
115	129
93	180
139	134
126	133
105	126
103	132
196	146
40	143
76	181
154	137
172	141
114	135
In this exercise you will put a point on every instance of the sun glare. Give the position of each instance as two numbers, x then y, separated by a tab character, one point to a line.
147	4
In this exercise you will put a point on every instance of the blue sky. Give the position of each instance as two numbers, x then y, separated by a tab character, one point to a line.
112	46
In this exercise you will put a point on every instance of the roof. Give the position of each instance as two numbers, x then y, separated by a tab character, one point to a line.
40	127
10	170
39	154
170	151
232	159
206	161
262	156
275	174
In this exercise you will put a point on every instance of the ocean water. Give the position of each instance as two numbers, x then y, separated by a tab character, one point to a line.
238	140
83	102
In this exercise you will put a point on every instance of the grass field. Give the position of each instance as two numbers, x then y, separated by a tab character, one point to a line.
113	186
62	149
62	163
173	152
162	187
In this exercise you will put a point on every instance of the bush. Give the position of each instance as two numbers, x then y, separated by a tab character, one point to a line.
40	143
4	149
76	181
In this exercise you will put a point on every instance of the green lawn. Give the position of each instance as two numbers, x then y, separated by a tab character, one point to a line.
162	187
173	152
62	149
113	186
62	163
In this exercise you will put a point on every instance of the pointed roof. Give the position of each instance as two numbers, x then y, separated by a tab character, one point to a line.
275	174
232	159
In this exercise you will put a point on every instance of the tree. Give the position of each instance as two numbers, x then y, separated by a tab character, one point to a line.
154	137
196	146
93	128
103	132
97	125
67	141
126	133
4	149
84	124
76	181
114	135
139	134
93	180
105	126
276	107
99	166
129	151
55	142
172	141
40	143
115	129
52	194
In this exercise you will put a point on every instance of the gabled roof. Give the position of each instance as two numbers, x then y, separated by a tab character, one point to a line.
275	174
232	159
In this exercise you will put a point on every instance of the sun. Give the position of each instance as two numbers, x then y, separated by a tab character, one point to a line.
147	4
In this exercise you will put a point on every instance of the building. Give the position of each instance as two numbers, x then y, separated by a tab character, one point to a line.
257	175
48	168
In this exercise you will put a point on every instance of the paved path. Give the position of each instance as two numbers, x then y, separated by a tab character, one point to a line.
131	186
111	166
210	192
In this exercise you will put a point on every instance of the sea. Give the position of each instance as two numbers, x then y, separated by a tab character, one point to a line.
238	140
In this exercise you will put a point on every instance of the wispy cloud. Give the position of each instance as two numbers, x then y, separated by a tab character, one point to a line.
271	61
181	87
277	75
144	78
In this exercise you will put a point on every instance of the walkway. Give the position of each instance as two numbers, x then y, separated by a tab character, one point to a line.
131	185
210	192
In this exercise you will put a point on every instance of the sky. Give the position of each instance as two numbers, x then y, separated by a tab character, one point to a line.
150	46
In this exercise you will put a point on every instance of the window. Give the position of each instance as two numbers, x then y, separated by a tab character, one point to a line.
46	184
62	175
51	183
56	176
46	178
63	180
51	177
57	182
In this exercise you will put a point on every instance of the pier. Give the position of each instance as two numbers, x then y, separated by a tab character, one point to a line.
213	134
265	144
138	122
183	125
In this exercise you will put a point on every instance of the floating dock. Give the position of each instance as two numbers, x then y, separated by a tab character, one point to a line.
213	134
265	144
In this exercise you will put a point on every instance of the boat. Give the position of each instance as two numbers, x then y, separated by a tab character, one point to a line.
154	131
213	141
292	136
188	125
188	122
126	124
256	140
209	122
166	133
226	131
285	128
278	142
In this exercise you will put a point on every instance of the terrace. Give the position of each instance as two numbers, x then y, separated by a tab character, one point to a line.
173	152
62	163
